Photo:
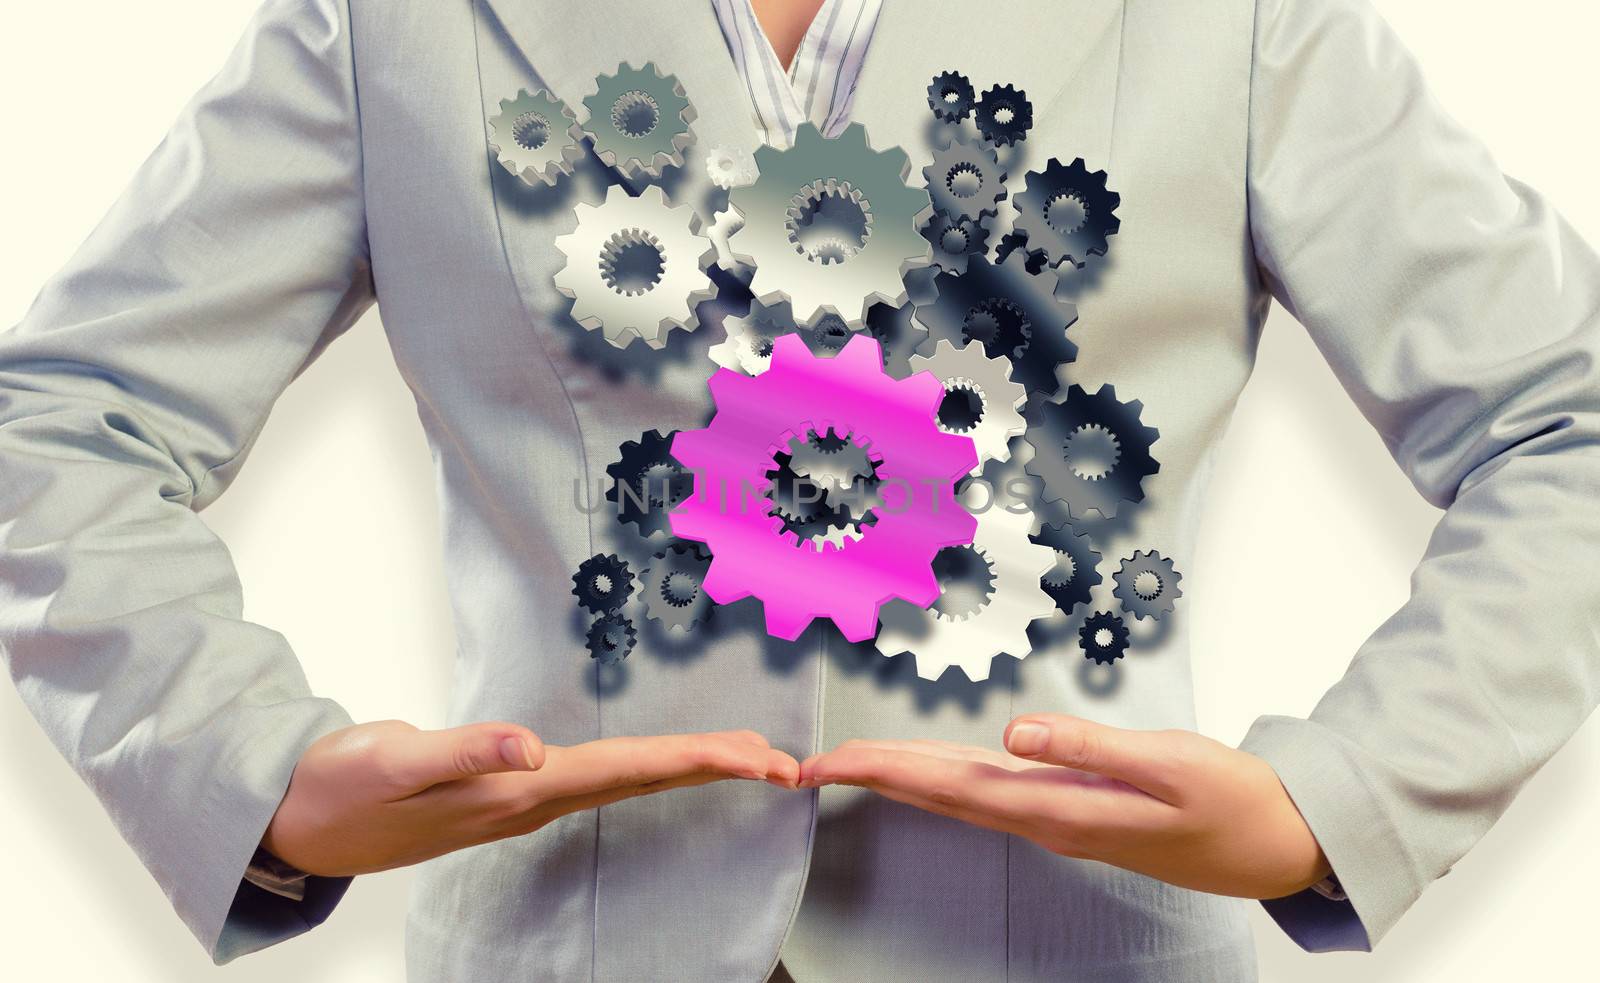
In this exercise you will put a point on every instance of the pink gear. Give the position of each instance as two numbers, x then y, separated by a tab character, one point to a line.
917	464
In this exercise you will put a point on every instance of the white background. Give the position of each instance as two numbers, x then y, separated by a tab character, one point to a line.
1308	546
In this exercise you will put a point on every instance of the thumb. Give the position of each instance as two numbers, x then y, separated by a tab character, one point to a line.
431	757
1146	760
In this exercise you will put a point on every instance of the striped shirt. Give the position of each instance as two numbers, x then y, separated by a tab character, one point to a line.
821	81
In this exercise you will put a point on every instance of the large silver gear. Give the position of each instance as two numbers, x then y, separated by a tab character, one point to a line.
1147	585
636	267
532	137
831	225
638	121
671	587
989	413
965	181
972	639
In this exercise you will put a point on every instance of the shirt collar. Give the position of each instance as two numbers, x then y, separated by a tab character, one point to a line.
821	83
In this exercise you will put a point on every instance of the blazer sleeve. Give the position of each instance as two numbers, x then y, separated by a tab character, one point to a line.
130	394
1462	316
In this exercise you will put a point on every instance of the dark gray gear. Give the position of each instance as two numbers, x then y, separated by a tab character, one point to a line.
965	181
1092	451
1010	312
1017	242
1076	572
1066	213
671	587
1104	637
1147	585
638	121
603	583
646	483
955	241
900	334
1004	115
611	637
951	97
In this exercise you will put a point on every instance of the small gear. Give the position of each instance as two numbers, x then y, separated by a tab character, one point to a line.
1104	637
1147	585
671	587
747	341
611	638
603	583
830	225
532	137
1009	311
730	167
646	483
951	97
1004	115
971	630
1077	566
636	267
639	121
1092	451
901	335
965	181
1067	213
980	399
955	241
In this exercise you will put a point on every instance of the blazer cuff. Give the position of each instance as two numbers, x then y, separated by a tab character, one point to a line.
235	810
1327	783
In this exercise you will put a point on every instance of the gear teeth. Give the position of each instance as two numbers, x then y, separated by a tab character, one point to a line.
1004	115
552	158
999	627
611	638
874	249
655	294
602	583
951	97
1110	649
626	96
1123	477
844	579
1093	220
1149	563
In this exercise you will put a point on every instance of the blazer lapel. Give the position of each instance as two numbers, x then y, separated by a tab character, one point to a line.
1066	54
566	45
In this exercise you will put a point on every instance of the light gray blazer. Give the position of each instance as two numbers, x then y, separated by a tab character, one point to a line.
1285	148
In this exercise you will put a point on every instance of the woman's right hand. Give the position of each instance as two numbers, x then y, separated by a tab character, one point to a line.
385	794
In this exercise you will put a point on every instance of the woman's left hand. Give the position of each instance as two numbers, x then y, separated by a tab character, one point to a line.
1169	804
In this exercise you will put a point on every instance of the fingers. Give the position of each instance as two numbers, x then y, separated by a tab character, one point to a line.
416	760
629	762
1149	760
963	787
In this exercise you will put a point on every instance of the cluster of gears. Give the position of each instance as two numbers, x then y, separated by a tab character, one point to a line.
851	414
644	484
